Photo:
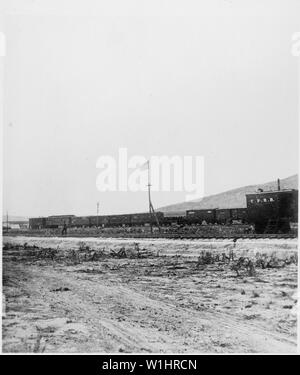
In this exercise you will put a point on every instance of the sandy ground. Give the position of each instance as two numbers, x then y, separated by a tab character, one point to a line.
155	303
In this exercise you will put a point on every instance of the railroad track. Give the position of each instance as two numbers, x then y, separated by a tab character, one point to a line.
161	235
196	236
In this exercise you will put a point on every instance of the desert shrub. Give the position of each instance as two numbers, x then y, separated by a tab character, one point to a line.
94	255
83	246
244	263
7	246
73	256
291	259
204	258
273	261
137	249
47	253
119	254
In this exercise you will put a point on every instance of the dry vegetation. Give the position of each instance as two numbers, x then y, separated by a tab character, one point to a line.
132	299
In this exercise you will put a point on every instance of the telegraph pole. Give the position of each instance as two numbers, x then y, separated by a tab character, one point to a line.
97	214
151	209
149	195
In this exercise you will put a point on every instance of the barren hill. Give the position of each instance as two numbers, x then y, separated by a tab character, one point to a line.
230	199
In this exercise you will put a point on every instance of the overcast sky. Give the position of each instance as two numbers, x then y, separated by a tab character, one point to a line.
82	79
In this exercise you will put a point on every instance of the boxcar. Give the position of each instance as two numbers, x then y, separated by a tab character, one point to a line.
80	221
172	220
119	220
223	215
146	218
58	221
37	223
198	216
101	220
239	214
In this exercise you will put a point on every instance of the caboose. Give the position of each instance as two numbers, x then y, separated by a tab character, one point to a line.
272	211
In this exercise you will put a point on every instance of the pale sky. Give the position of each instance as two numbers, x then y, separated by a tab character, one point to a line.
81	79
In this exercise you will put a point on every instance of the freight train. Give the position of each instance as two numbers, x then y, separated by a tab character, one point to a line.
269	212
94	221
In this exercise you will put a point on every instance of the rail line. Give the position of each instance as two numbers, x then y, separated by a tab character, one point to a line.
196	236
160	235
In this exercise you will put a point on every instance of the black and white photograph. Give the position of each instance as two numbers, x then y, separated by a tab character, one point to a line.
150	156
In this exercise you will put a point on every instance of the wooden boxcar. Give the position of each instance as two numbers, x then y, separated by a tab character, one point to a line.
37	222
101	220
146	218
80	221
58	221
223	215
198	216
239	214
119	220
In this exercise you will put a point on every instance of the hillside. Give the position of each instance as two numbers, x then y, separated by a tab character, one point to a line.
230	199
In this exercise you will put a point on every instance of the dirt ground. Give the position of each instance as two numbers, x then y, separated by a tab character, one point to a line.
145	304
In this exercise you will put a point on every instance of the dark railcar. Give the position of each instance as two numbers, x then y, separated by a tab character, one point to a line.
119	220
198	216
172	220
37	223
175	214
272	211
146	218
223	216
101	220
80	221
239	214
59	221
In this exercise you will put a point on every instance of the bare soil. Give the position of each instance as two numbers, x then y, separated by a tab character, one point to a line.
151	303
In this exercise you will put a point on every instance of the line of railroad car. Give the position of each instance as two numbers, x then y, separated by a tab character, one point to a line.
217	216
269	211
59	221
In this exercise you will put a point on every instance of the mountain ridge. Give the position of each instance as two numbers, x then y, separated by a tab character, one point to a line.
234	198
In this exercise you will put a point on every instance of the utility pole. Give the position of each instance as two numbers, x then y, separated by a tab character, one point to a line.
7	221
97	214
149	195
151	209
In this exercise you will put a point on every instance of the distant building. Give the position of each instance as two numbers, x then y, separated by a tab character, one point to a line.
15	225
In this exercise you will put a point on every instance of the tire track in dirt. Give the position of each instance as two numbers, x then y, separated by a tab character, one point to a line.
122	318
